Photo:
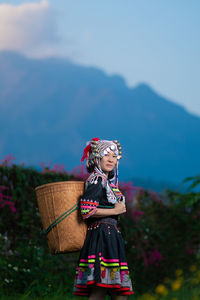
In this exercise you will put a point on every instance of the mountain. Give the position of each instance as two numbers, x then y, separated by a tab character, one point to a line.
51	107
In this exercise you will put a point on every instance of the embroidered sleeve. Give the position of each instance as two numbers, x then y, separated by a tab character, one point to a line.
91	197
118	193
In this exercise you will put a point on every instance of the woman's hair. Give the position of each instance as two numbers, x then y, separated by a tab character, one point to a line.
90	168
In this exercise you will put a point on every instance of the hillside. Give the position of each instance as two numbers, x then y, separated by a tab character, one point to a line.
51	107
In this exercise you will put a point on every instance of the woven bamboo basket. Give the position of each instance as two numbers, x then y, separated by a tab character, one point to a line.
54	199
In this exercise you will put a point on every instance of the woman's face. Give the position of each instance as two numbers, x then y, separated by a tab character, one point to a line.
108	162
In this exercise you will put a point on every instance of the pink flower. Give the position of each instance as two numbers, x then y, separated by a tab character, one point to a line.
12	208
128	190
189	250
6	197
8	160
1	197
80	172
4	200
136	214
154	257
45	169
155	196
58	168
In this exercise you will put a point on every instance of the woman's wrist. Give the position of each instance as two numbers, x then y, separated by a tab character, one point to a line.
114	211
103	212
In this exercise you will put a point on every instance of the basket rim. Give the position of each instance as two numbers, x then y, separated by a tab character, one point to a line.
58	183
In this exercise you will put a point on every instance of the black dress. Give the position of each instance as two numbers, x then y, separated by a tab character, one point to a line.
102	259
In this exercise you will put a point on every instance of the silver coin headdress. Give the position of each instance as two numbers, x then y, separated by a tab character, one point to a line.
97	148
93	152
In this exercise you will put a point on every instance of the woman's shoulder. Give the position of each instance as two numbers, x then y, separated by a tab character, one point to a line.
96	180
94	190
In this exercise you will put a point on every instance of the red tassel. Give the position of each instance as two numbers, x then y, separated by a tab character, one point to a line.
85	152
88	149
95	139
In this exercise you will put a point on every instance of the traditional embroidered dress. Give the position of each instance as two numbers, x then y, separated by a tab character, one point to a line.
102	259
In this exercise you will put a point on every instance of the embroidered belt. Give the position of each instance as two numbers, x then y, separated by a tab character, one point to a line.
110	221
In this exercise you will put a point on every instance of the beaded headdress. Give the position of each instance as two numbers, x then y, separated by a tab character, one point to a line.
95	150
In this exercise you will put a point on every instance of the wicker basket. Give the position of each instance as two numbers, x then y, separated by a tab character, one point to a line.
54	199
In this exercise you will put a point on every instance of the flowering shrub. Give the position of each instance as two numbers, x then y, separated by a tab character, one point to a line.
8	160
57	168
161	233
80	173
4	199
178	286
25	261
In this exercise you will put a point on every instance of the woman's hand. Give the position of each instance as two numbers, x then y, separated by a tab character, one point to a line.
120	208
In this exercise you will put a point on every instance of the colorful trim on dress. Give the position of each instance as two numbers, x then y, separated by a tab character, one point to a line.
112	189
114	274
116	191
88	207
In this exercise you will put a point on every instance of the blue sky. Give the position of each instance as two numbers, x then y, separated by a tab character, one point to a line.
156	42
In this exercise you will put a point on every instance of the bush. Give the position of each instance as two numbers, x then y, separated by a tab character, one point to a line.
25	261
161	234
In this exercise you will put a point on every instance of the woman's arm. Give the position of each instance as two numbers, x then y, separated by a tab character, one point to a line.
119	208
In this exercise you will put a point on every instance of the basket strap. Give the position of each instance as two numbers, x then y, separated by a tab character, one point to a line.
60	218
104	206
64	215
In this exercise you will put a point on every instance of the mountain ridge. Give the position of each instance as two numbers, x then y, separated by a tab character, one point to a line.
51	107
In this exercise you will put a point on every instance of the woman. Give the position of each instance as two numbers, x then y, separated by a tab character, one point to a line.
102	266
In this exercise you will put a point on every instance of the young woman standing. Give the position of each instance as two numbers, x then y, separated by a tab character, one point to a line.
102	267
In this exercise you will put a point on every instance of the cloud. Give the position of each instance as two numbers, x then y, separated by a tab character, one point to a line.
28	28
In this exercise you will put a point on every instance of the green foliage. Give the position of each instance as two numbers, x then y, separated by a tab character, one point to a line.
25	262
161	234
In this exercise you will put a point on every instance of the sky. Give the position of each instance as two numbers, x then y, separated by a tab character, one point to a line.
145	41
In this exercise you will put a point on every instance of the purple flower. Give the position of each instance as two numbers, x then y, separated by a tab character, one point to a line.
58	168
45	169
154	257
80	172
128	190
8	160
4	200
136	214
